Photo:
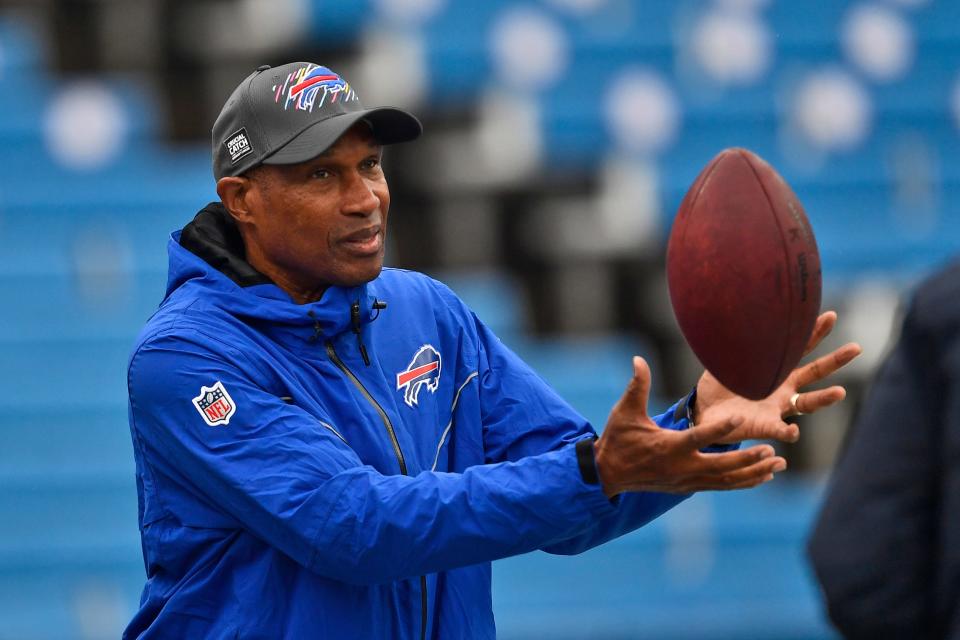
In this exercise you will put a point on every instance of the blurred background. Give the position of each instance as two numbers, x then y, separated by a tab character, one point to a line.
560	137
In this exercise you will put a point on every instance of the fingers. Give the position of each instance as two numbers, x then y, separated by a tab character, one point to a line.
744	478
635	398
826	365
703	435
826	321
782	431
720	463
760	430
811	401
669	461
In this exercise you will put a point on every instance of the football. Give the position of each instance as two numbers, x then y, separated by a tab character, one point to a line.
743	273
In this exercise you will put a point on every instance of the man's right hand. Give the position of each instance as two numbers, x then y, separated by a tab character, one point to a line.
635	454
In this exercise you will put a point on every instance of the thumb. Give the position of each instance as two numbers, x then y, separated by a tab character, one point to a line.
637	394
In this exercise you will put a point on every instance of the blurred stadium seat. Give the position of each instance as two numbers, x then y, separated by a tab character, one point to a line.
865	131
720	566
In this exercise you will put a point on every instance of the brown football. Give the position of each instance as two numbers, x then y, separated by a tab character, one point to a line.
744	273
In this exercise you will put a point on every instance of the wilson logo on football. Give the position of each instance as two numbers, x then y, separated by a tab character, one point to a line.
215	404
423	371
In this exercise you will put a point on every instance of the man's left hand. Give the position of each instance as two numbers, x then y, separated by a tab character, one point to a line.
764	419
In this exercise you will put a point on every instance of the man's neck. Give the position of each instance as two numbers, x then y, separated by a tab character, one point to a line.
298	292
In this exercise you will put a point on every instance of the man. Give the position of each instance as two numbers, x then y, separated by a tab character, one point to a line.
885	544
329	449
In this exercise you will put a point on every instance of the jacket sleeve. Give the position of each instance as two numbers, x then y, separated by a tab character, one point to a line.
289	479
523	416
871	546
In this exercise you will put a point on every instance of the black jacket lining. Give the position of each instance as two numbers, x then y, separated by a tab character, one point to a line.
214	237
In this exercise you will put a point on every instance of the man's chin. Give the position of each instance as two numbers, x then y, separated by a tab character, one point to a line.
360	276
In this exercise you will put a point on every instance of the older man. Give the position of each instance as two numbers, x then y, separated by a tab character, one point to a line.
327	448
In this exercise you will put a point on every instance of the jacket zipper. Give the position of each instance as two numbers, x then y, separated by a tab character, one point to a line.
366	394
332	353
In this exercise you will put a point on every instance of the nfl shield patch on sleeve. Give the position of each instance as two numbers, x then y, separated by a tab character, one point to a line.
215	404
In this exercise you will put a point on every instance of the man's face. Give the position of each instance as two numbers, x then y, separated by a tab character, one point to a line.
322	222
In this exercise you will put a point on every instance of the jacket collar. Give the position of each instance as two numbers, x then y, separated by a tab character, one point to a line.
214	236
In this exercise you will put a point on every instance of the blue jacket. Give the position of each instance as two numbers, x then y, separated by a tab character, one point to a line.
339	470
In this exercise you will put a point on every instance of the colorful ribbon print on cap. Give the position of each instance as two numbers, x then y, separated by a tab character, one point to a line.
304	86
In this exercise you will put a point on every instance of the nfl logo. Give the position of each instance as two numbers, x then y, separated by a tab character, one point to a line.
215	404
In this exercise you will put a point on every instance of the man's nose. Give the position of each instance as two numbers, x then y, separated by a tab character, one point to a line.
358	196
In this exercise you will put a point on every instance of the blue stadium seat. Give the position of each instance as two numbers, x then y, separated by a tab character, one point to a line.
66	520
67	600
73	375
45	239
862	230
806	23
45	443
22	121
22	50
702	565
54	306
938	21
337	23
925	90
69	550
178	178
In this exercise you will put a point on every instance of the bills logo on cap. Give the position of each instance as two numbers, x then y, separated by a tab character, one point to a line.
238	145
302	88
423	371
215	404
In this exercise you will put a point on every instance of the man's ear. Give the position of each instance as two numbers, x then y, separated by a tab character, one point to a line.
235	194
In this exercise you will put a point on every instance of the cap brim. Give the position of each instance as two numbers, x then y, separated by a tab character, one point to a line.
389	126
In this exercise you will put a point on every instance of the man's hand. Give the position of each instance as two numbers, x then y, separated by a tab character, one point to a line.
635	454
764	419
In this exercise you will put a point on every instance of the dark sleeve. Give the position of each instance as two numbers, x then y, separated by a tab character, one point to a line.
873	545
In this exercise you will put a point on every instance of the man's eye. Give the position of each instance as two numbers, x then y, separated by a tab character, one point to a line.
320	173
371	163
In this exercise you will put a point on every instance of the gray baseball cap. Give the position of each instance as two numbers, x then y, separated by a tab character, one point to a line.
292	113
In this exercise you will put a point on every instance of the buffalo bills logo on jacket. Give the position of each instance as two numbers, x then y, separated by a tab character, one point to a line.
215	404
423	371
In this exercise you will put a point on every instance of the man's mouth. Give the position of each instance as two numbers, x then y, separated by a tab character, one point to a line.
365	242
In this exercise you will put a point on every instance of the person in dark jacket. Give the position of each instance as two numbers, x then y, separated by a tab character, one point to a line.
886	545
326	448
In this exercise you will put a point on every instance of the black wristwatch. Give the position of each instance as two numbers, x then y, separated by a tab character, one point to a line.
586	461
685	408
